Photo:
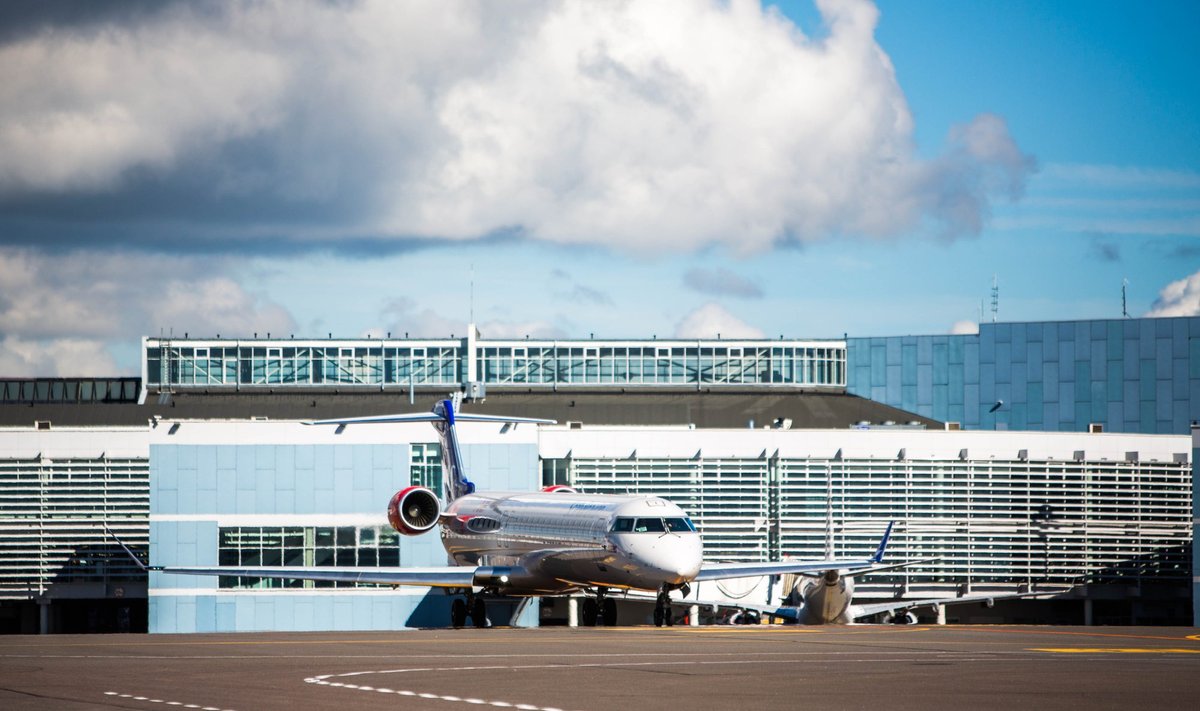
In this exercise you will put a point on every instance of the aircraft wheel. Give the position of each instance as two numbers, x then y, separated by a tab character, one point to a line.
458	613
610	612
668	618
479	613
658	616
590	612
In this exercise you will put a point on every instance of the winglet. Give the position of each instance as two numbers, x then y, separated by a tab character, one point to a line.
129	552
878	557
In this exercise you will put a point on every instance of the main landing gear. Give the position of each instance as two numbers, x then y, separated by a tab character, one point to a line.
600	609
473	606
662	609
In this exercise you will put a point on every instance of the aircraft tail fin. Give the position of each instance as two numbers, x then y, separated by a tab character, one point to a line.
878	557
128	551
454	474
455	483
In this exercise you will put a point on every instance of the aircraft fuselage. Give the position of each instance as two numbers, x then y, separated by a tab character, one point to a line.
558	542
827	599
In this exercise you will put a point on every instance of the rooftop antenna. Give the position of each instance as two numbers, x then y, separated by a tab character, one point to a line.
1124	302
995	297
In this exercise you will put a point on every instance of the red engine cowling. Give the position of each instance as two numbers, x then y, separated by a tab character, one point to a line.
559	489
414	510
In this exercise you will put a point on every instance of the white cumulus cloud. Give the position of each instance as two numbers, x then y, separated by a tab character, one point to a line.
407	318
61	314
964	328
1179	298
712	320
56	357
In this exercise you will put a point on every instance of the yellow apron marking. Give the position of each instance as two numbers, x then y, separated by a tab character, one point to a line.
1117	650
1019	630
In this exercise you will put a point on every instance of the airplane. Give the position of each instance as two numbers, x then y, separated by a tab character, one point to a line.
553	542
828	598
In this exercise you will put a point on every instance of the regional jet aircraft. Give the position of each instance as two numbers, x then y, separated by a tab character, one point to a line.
826	597
558	542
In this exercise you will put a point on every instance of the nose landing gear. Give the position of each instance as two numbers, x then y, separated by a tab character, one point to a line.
662	609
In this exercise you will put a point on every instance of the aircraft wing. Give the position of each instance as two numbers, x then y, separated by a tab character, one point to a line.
904	605
787	612
722	571
448	577
848	568
443	577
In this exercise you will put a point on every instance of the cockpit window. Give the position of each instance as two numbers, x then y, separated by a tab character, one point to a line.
649	525
680	525
653	525
622	525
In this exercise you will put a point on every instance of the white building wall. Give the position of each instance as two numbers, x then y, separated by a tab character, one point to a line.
997	510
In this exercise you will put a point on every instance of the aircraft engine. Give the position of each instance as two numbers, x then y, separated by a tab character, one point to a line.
559	489
414	510
903	618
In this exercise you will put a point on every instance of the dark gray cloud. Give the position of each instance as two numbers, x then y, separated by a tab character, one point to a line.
1105	248
21	18
721	282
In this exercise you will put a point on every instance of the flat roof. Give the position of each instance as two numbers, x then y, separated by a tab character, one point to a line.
705	408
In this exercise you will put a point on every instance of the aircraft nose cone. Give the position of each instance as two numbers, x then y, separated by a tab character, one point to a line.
677	558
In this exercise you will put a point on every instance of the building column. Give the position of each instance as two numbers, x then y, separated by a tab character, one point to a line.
572	612
941	614
694	615
43	616
1087	612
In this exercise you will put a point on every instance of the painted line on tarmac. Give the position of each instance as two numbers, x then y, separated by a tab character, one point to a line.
332	680
325	681
1022	630
732	629
178	704
1115	650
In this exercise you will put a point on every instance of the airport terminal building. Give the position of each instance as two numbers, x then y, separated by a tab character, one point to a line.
1033	456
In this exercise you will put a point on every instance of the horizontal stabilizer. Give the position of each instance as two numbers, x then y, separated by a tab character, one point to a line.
431	417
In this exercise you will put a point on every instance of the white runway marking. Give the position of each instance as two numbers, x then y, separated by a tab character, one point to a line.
148	700
324	681
332	680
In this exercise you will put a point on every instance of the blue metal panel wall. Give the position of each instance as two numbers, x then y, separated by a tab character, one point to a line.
191	485
296	611
1132	375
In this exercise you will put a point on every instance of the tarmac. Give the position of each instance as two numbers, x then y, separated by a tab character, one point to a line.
593	669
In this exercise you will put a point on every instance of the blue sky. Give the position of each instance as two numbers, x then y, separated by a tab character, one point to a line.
662	169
